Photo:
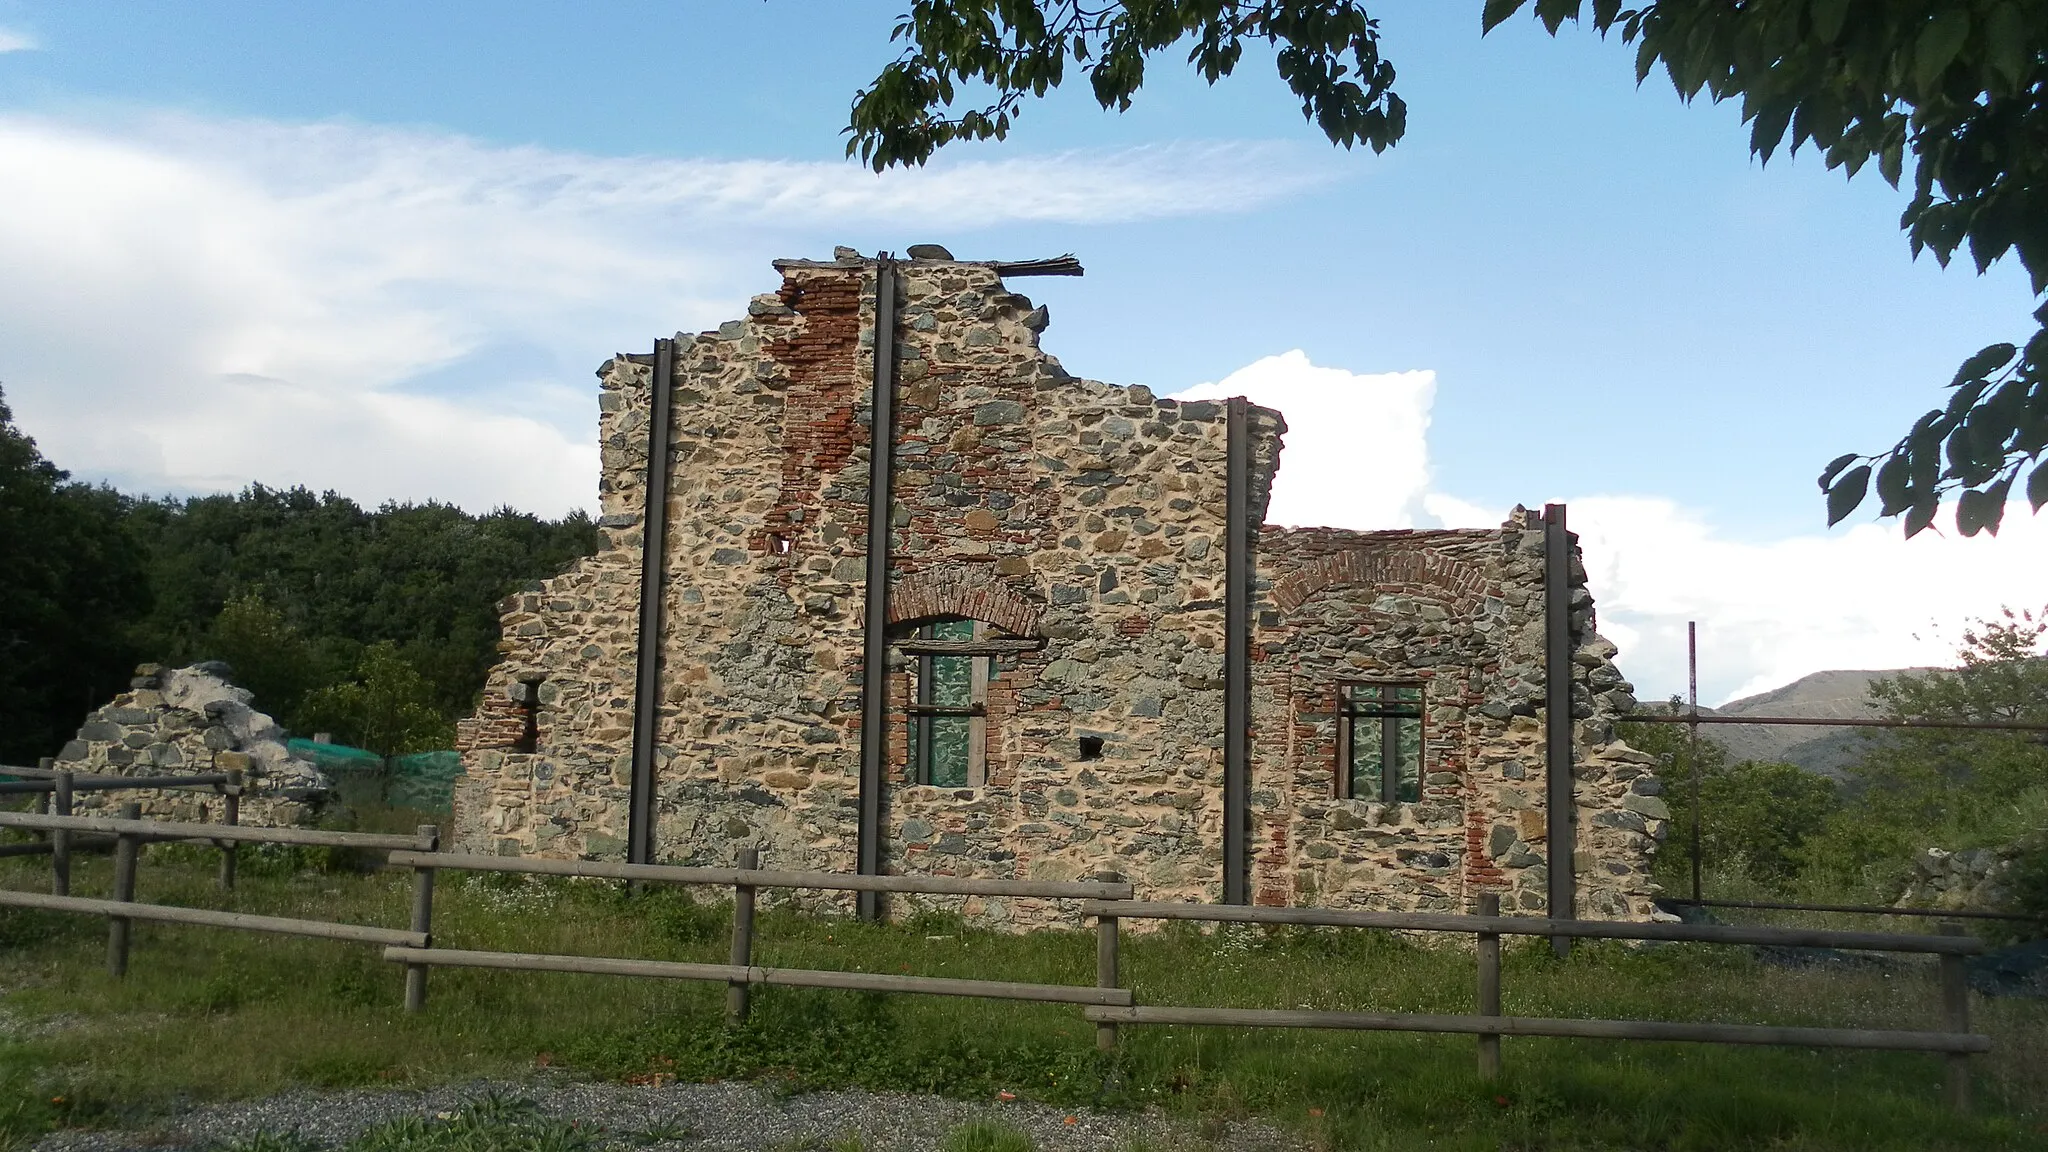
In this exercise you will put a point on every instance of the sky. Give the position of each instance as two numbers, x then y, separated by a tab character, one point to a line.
380	248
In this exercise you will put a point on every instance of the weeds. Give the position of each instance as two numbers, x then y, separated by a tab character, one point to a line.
987	1136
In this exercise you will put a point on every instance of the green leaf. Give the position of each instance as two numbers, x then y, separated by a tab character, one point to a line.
1978	510
1847	493
2005	37
1988	360
1834	469
1554	12
2037	486
1827	18
1938	44
1893	492
1496	11
1920	517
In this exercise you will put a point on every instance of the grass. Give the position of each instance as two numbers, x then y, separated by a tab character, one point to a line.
207	1014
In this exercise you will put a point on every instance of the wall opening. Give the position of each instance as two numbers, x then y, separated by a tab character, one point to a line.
526	698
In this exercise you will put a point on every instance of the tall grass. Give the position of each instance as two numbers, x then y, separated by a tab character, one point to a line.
208	1014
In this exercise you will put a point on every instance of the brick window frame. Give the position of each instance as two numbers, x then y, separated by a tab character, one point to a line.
1382	712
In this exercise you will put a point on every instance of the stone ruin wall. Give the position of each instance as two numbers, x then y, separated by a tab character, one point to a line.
1087	514
1462	612
183	721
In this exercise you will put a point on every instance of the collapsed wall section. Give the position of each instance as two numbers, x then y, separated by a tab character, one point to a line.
186	721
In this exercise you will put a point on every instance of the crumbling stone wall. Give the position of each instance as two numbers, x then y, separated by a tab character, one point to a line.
1461	612
1081	516
191	720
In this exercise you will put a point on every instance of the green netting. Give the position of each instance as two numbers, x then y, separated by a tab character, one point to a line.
422	780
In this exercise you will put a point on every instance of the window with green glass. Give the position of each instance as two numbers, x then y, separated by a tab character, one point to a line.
1379	742
946	712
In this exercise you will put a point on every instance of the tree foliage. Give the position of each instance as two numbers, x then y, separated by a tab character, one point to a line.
291	588
316	579
1978	786
1328	55
1755	816
387	707
1959	86
1915	789
71	575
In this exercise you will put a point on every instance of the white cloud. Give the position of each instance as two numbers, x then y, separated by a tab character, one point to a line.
1772	611
1769	611
12	40
189	304
1356	450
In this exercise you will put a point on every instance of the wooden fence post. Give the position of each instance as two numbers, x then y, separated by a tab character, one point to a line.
422	919
45	802
125	850
1105	974
1489	988
742	954
231	813
1955	1012
60	838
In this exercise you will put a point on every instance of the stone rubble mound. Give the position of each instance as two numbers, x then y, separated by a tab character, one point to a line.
192	720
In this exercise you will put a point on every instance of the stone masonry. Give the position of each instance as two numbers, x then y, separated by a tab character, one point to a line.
1083	523
191	720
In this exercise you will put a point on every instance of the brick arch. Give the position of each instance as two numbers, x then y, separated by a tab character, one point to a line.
961	590
1463	582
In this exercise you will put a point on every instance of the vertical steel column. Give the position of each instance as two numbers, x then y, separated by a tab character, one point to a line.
1692	740
1237	681
874	675
653	594
1560	803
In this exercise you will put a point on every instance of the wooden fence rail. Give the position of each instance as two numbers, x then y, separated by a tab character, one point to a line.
55	787
740	973
1106	1002
1955	1040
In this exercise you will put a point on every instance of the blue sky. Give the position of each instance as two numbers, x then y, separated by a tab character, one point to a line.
379	247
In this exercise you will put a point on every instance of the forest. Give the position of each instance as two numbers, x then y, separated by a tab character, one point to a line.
377	625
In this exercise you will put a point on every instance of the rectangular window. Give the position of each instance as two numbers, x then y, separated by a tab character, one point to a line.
948	715
1379	742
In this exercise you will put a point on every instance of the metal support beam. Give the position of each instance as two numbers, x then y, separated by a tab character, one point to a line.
1237	681
1692	741
874	676
1560	803
653	594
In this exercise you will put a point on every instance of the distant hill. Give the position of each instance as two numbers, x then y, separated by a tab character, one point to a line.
1837	693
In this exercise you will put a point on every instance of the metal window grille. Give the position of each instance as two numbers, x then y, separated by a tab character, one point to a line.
1379	742
948	714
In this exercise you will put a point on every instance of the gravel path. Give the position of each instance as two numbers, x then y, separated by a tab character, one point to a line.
719	1117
